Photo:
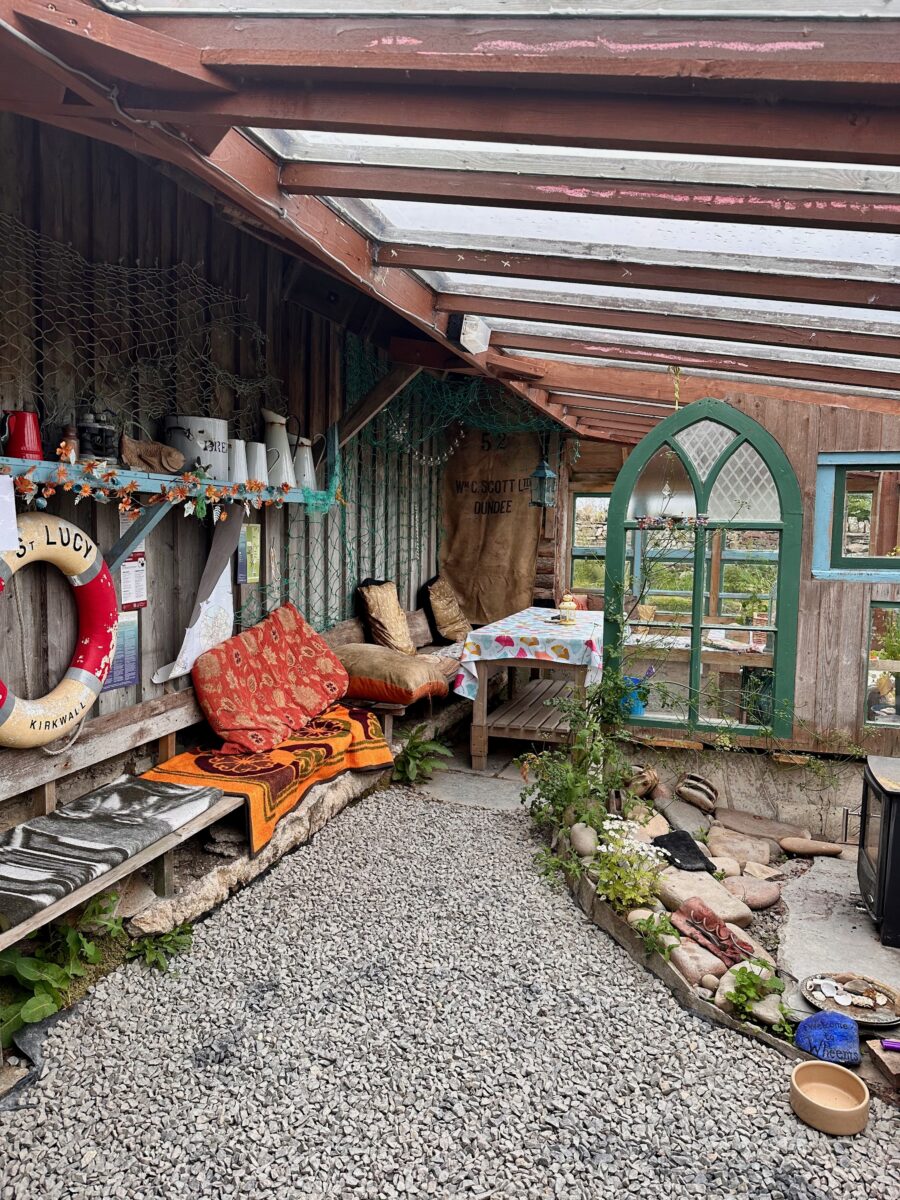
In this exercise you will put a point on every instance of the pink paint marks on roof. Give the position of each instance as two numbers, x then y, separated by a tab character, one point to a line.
732	200
534	48
391	40
672	356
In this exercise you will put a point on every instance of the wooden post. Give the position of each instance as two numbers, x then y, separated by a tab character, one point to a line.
166	747
164	875
44	799
479	736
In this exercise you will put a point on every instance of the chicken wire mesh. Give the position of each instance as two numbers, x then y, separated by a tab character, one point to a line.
137	342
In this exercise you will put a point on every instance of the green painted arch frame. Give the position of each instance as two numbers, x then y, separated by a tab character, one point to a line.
790	527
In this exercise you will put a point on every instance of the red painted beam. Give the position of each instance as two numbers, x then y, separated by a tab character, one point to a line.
112	49
689	50
850	377
662	323
758	206
630	274
663	123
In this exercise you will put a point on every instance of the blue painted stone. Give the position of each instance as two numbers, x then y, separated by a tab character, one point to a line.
830	1036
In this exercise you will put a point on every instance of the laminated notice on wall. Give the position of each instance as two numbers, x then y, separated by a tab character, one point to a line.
9	535
126	667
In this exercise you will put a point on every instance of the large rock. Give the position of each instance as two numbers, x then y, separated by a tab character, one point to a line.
808	847
768	1010
763	828
657	826
584	840
681	815
675	887
759	950
760	871
725	844
694	963
730	867
755	893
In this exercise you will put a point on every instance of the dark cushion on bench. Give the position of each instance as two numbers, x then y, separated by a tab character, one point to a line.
49	857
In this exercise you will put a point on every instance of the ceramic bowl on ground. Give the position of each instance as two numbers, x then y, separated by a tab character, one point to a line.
829	1098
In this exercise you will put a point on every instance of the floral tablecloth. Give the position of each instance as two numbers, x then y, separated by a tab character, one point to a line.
532	634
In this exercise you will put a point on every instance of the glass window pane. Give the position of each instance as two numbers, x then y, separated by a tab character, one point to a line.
882	699
871	524
736	687
658	664
703	443
663	489
590	522
664	576
744	490
588	574
748	581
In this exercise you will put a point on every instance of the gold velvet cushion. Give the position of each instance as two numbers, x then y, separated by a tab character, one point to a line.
385	618
449	619
377	673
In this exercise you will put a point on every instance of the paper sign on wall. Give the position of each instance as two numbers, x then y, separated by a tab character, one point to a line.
133	572
9	535
126	667
248	555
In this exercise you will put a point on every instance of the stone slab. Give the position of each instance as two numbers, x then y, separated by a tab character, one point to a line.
758	827
693	962
683	816
475	791
755	893
825	928
678	886
724	843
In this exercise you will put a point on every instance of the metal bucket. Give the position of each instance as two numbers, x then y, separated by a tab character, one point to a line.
203	441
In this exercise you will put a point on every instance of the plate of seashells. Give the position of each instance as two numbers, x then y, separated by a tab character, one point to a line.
866	1000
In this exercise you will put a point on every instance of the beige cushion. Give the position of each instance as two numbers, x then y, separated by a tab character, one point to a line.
377	673
449	619
386	619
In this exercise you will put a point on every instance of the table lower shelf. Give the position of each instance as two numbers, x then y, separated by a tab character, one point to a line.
528	716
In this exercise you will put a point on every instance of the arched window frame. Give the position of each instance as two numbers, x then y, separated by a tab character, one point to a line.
790	528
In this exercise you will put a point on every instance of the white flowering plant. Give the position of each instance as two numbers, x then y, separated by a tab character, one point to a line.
626	870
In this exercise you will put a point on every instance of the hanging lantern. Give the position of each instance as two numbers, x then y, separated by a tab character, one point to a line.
543	486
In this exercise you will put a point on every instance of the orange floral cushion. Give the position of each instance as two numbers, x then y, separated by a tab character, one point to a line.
258	688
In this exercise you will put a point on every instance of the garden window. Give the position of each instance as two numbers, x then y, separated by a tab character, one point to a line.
882	700
702	574
857	529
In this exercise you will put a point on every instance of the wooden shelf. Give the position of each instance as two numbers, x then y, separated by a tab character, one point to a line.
148	483
528	716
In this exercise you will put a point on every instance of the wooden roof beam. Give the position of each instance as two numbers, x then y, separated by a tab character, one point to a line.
771	332
758	206
851	377
113	49
662	123
827	288
694	50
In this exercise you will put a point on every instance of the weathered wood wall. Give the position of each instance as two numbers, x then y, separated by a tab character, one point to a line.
111	207
833	626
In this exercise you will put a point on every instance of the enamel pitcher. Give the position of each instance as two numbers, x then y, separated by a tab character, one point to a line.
276	436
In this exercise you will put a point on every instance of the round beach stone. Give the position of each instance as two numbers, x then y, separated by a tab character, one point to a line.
725	844
584	840
695	963
728	866
710	981
755	893
809	847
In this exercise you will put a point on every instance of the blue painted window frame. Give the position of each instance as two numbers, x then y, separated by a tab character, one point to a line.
826	476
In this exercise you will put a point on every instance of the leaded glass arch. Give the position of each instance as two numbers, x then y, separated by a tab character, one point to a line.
704	528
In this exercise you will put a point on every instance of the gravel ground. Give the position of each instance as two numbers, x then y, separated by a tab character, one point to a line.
405	1008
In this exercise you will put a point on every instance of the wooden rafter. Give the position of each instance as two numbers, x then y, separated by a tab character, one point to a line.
663	123
772	206
597	348
846	52
630	273
771	332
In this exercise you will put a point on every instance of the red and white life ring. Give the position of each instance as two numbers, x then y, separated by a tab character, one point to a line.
48	539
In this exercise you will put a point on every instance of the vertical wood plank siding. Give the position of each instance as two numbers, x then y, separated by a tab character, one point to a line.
113	208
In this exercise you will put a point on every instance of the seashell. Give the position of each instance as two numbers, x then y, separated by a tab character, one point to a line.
843	999
860	1001
880	999
857	987
829	988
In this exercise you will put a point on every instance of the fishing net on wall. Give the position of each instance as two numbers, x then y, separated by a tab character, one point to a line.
133	341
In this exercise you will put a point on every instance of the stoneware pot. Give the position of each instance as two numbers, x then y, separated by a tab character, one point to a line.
829	1098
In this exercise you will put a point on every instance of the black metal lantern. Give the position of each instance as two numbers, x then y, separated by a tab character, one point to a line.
543	485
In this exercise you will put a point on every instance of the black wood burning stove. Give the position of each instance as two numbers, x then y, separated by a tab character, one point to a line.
878	865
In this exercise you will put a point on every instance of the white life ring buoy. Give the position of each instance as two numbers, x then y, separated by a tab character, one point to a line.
49	539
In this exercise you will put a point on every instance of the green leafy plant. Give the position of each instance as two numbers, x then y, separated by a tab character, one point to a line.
420	757
553	867
750	986
70	945
40	991
653	930
784	1026
625	870
157	950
